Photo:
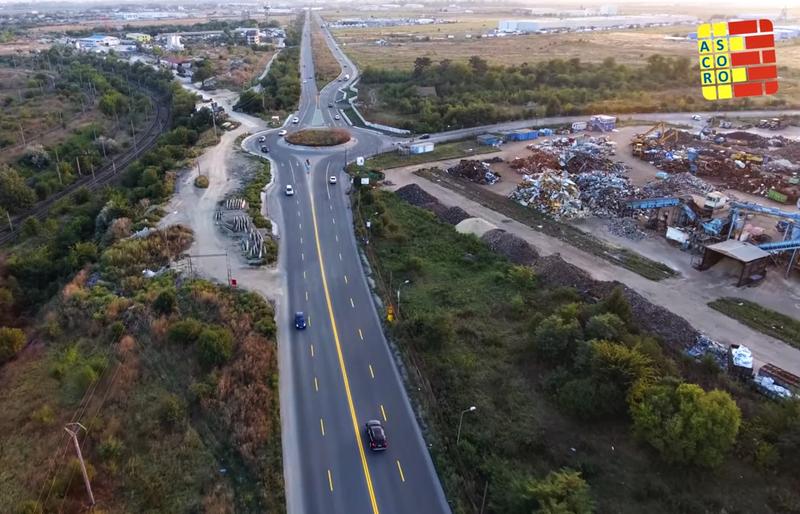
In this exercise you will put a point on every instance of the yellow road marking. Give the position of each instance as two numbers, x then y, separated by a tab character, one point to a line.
322	427
330	480
400	469
371	373
383	413
301	239
360	334
312	350
316	384
345	279
352	304
343	368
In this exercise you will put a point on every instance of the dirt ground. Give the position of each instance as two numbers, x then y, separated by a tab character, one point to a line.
195	207
686	296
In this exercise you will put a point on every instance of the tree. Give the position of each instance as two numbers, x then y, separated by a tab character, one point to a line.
555	340
215	346
606	326
686	424
15	195
185	331
560	492
11	342
165	302
478	65
618	304
203	71
421	64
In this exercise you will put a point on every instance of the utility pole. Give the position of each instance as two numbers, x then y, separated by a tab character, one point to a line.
133	132
10	225
21	133
78	161
72	430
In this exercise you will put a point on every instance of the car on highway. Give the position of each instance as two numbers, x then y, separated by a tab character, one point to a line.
282	133
332	179
424	136
264	149
299	320
376	435
296	120
330	106
289	190
337	117
261	139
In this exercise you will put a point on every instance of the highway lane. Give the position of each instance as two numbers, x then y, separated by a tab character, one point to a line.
341	371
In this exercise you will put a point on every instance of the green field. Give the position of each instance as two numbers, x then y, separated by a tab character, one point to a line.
766	321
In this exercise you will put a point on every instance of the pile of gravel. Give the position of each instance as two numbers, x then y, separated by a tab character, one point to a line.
415	195
513	248
672	329
454	215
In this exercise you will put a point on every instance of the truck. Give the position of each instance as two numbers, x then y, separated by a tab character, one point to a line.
740	361
776	382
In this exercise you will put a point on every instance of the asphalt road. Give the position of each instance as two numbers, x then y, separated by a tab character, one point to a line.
340	372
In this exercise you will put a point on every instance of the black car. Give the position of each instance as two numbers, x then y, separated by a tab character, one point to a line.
299	320
330	106
264	149
376	436
424	136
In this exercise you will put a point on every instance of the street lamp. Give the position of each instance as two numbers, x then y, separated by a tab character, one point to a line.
398	296
461	420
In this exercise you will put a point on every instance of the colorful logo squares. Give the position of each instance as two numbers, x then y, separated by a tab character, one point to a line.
737	59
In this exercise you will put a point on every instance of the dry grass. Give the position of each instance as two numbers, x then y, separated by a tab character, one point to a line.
318	137
326	68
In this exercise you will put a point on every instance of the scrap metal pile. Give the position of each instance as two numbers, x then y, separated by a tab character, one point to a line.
474	171
737	160
569	178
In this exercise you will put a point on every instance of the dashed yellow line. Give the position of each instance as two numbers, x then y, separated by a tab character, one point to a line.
342	367
383	413
360	334
316	384
371	373
302	256
340	255
330	480
400	469
322	427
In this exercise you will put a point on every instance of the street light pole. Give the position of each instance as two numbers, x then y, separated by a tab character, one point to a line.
398	296
461	420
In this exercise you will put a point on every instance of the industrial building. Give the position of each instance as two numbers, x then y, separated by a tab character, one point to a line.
97	40
139	37
591	23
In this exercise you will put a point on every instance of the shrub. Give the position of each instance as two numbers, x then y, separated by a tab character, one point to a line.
171	411
11	342
201	181
266	327
215	346
560	492
605	326
165	302
555	340
44	416
185	331
684	423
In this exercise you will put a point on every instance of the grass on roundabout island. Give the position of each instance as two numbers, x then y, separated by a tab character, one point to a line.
319	137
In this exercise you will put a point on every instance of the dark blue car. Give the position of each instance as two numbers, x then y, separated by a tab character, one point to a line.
299	320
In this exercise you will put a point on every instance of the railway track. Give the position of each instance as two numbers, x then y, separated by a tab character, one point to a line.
102	176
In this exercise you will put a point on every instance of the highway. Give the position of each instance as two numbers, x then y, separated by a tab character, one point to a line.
338	372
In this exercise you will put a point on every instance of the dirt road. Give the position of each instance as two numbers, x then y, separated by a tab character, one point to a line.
686	296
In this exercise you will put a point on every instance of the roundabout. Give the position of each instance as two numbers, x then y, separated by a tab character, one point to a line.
319	137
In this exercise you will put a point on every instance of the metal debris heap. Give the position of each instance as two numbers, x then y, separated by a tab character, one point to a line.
550	192
474	171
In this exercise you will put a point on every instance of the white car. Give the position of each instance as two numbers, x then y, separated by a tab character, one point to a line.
332	179
296	120
289	190
261	139
282	133
337	117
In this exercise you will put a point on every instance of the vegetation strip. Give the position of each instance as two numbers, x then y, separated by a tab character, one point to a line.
572	398
766	321
623	257
326	68
441	151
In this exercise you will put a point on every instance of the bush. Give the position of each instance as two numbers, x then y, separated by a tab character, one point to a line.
318	137
560	492
266	327
171	411
165	302
606	326
215	346
11	342
684	423
555	340
44	416
201	181
185	331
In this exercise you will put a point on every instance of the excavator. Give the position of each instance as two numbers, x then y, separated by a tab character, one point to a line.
658	135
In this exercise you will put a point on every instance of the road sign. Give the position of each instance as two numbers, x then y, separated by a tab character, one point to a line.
364	181
390	313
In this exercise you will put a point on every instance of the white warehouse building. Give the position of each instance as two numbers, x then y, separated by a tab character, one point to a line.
592	22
